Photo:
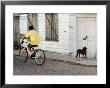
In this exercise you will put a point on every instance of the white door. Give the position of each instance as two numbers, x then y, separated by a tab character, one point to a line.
86	35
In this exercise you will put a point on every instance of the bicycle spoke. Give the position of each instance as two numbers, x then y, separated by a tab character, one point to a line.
39	57
23	54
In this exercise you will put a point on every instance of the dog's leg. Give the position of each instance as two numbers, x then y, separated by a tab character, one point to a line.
77	55
83	56
86	56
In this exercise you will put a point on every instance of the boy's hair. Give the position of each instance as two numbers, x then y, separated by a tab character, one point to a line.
31	27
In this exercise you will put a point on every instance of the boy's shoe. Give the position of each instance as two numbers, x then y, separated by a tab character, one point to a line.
32	55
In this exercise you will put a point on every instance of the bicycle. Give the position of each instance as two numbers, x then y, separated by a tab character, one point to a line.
38	54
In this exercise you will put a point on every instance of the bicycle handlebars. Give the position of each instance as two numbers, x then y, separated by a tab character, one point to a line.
23	41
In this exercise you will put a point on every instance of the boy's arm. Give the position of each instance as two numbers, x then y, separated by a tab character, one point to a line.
27	35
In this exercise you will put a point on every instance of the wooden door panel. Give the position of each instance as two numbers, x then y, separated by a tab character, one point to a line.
87	27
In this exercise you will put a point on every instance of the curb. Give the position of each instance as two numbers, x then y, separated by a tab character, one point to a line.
70	62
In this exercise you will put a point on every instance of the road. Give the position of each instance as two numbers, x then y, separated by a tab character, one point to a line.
50	67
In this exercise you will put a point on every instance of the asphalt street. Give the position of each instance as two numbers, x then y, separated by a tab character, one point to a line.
50	67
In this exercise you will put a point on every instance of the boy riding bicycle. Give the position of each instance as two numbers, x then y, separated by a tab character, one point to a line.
34	38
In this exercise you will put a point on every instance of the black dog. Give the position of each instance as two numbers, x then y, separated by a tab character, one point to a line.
82	51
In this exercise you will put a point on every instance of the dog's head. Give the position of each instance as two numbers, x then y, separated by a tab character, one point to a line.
84	48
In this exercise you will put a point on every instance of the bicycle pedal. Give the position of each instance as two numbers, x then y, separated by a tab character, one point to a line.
33	55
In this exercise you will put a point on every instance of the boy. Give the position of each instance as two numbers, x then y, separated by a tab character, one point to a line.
34	39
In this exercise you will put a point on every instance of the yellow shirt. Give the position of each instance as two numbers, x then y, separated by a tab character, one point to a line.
34	37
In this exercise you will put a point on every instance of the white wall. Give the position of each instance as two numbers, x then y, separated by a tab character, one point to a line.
23	23
72	34
61	46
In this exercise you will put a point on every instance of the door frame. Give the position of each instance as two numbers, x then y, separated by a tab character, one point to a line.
85	15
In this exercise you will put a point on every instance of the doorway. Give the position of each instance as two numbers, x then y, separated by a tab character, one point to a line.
86	35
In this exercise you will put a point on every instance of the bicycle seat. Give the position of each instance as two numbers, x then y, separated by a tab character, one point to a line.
34	45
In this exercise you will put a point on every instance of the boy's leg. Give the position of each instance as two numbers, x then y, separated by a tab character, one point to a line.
29	48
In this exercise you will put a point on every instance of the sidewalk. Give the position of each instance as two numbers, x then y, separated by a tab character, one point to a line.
67	58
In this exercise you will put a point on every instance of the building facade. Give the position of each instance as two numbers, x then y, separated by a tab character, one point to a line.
63	33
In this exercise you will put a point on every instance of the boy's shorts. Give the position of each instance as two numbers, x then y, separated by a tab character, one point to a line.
30	45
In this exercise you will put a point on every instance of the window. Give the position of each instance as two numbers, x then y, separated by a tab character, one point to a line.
51	27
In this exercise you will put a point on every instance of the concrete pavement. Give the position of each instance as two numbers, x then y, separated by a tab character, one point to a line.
67	58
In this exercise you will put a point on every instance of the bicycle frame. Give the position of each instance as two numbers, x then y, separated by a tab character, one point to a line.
24	43
38	54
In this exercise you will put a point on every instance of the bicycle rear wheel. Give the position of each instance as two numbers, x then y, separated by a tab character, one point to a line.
39	56
23	54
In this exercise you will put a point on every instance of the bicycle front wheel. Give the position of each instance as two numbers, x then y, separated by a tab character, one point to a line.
23	54
39	56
